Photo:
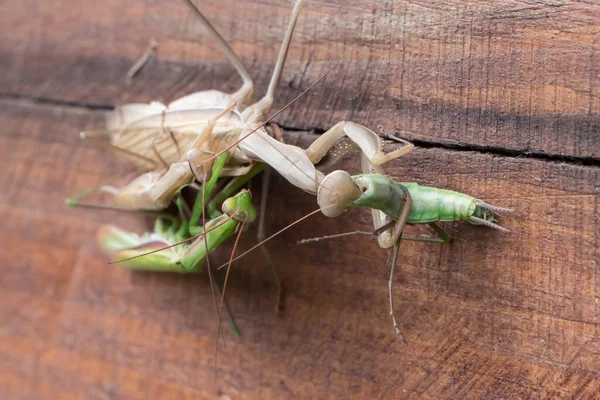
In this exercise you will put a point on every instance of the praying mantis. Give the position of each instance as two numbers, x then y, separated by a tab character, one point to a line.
174	145
394	205
211	134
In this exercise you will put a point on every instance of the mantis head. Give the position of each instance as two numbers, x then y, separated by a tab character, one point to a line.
240	207
337	192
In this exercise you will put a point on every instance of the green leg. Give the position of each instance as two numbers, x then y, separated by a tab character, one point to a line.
444	237
231	188
206	192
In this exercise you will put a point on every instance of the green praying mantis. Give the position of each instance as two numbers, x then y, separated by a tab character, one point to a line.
394	205
209	135
185	251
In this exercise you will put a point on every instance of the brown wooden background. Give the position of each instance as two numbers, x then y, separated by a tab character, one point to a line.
502	99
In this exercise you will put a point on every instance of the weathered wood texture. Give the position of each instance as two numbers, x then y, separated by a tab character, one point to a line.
508	74
491	316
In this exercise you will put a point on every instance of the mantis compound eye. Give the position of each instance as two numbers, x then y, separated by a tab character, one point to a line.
337	192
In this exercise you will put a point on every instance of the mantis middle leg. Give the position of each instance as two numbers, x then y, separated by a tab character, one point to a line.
444	236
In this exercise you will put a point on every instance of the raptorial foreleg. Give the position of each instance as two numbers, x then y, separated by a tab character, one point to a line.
367	140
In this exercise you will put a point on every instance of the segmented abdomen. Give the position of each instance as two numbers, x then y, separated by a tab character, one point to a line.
432	205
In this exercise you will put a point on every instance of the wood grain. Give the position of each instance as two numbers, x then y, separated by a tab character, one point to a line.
491	316
504	75
502	99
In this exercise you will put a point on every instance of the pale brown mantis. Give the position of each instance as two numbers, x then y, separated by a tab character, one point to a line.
176	143
173	144
185	136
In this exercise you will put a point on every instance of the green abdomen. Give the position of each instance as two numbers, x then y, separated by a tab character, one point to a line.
432	205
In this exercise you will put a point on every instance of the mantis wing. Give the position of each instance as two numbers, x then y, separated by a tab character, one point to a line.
127	114
163	137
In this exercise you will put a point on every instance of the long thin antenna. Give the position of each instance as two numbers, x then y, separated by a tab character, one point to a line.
271	237
220	311
210	277
336	235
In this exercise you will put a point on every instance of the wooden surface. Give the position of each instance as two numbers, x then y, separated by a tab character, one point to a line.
502	98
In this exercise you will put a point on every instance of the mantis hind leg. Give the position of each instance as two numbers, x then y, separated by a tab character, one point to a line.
263	106
244	94
391	297
74	201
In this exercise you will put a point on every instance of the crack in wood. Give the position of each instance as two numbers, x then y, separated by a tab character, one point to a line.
427	144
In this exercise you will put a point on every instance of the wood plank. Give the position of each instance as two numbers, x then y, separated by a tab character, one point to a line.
493	315
498	75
